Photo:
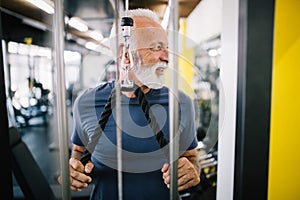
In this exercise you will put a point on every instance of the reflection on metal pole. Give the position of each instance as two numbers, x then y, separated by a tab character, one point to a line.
118	108
173	94
58	26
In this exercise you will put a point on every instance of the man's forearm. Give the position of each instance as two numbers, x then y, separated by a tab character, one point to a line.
77	151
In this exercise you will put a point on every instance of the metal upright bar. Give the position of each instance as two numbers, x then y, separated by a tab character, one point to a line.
126	6
173	94
118	108
58	29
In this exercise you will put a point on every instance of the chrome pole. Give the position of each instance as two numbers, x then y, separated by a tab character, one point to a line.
118	108
173	94
58	32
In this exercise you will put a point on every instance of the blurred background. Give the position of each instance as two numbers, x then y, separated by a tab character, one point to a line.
30	71
237	61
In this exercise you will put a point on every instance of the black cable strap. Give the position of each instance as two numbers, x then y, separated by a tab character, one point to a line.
111	102
150	117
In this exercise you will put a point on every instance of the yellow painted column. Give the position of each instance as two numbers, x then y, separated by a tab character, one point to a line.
185	62
284	160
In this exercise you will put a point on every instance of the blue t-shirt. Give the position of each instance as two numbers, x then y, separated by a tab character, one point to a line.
142	157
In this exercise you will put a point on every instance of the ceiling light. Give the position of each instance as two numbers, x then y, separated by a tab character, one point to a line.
44	5
80	41
96	35
78	24
212	52
91	46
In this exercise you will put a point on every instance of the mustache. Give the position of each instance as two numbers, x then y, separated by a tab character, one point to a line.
159	65
163	65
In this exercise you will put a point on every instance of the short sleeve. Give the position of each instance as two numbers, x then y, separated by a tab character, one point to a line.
187	129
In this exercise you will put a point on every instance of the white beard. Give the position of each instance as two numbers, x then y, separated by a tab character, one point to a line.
148	76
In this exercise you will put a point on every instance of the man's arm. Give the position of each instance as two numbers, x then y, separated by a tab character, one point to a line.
78	178
77	151
188	170
192	156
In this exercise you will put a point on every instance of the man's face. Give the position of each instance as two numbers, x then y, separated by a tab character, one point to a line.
151	76
152	49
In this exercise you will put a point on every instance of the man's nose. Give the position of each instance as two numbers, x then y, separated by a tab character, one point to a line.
164	56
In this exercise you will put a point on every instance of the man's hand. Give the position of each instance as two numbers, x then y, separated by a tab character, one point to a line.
78	178
78	173
188	172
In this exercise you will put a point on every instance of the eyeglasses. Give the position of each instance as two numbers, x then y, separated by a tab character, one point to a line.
158	47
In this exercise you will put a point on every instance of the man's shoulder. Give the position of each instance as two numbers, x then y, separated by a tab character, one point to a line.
183	95
104	88
100	91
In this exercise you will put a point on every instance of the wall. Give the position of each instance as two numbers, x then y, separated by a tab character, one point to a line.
93	69
205	21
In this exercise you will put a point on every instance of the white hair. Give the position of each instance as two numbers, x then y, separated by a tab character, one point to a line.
139	12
